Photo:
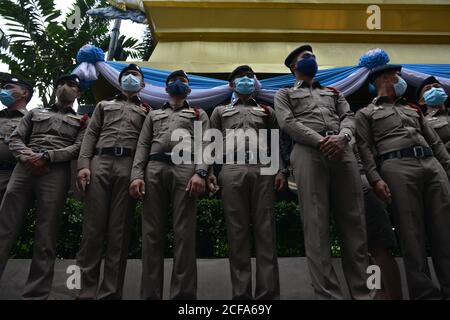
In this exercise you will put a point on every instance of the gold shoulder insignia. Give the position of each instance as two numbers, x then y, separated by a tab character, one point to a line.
410	108
259	109
74	117
228	107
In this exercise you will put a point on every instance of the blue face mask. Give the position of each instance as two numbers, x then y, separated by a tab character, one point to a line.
177	89
307	66
7	98
400	87
435	97
131	83
244	85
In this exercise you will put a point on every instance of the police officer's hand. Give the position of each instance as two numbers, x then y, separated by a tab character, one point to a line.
280	182
38	161
382	191
212	184
31	158
196	186
83	179
333	147
137	189
36	164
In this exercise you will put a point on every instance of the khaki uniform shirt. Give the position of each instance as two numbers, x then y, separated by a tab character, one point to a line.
9	120
114	123
384	127
156	135
440	121
243	116
304	112
60	132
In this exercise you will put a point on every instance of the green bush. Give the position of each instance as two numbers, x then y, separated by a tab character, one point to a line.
211	232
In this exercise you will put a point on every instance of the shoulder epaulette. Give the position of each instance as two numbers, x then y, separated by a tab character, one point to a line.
415	107
336	91
266	108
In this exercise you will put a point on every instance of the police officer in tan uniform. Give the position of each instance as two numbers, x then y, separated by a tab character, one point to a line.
432	96
104	166
44	144
248	195
162	184
407	164
320	122
15	95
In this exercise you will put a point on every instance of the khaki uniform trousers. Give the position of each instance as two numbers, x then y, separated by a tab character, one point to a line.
50	192
326	186
108	218
166	189
421	206
249	205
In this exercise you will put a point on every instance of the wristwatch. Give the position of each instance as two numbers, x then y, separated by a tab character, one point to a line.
285	172
46	156
202	173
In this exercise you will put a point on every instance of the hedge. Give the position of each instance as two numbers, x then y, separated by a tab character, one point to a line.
211	232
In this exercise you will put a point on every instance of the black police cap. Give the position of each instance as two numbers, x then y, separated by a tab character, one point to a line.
72	78
239	70
177	73
292	57
427	81
130	67
20	82
377	71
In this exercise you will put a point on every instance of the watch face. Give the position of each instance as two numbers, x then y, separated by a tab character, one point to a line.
202	173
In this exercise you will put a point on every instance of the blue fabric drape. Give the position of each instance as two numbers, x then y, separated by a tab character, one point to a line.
158	77
327	77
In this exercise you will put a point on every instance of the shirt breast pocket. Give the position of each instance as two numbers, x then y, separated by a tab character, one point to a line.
186	121
137	117
159	121
442	127
259	119
6	132
112	113
301	102
412	118
328	101
41	122
70	127
385	121
231	119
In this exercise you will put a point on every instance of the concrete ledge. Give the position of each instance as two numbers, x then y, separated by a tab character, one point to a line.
213	279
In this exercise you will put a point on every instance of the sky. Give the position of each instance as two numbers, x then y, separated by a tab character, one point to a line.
128	28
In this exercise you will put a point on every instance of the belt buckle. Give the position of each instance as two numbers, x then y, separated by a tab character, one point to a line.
419	152
329	133
118	151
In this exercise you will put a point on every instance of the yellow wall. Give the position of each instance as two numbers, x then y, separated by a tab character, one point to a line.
215	35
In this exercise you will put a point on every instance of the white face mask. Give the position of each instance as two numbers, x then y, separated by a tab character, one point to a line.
131	83
400	87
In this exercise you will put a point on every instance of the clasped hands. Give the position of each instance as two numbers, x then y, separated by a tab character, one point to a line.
35	162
